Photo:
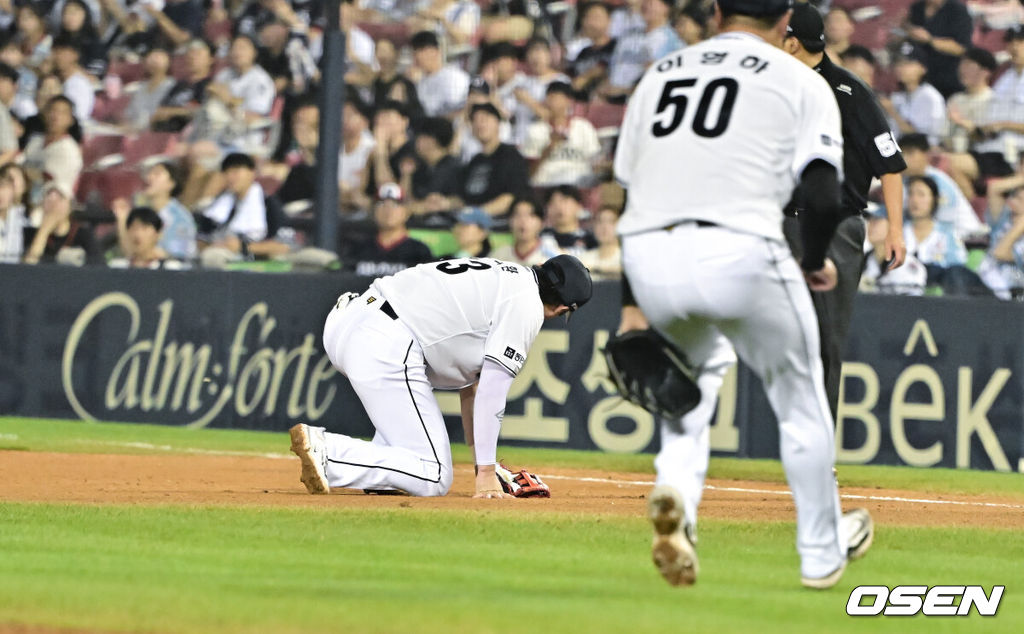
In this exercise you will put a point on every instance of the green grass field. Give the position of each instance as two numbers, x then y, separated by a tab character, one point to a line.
188	568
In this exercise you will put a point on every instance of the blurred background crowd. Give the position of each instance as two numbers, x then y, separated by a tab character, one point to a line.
185	133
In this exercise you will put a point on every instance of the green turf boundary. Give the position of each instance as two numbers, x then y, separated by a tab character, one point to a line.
33	434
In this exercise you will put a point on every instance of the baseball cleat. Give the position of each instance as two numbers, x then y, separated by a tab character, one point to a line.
858	531
672	549
826	582
309	444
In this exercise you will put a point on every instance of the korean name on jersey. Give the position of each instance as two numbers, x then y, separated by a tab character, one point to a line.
720	132
464	310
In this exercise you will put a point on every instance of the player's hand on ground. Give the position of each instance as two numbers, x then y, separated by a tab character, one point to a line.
632	319
895	250
824	279
487	485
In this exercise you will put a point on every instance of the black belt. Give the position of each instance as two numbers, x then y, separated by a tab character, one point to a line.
386	308
700	223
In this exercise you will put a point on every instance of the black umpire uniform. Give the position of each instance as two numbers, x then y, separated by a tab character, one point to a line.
869	151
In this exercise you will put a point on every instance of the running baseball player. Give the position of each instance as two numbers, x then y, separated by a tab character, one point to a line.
715	139
463	324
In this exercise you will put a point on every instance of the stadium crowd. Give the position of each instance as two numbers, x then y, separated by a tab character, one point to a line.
180	133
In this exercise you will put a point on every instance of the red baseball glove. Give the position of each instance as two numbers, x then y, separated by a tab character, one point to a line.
522	483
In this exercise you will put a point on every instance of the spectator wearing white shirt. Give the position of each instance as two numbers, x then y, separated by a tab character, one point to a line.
562	148
628	20
441	88
954	210
909	279
12	223
530	93
151	91
24	104
8	133
238	217
636	51
917	106
244	84
357	145
526	221
604	261
77	85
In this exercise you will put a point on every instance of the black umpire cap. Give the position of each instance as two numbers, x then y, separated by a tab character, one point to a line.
563	280
755	8
807	26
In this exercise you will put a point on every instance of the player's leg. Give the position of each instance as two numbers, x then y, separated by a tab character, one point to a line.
776	334
384	363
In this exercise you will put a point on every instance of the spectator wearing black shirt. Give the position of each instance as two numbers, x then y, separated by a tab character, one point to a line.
187	96
391	250
392	147
944	28
391	85
563	233
76	24
691	24
591	65
435	182
499	173
300	162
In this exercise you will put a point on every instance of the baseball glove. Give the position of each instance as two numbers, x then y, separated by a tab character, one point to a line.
652	372
522	483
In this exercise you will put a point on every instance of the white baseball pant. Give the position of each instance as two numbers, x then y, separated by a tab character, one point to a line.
384	362
704	285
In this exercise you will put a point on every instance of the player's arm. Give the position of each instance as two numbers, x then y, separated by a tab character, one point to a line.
632	317
487	412
467	396
818	222
892	197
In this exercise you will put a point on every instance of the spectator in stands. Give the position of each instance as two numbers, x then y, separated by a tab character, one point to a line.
8	129
628	19
24	104
909	279
934	243
508	21
136	30
530	94
360	49
499	173
187	95
237	219
1002	130
969	109
563	231
162	184
604	261
590	67
179	21
391	250
391	85
441	87
460	20
19	180
50	86
57	232
563	147
142	229
436	179
917	106
691	24
468	146
944	29
357	144
500	68
300	167
1003	267
77	85
526	220
472	233
953	210
12	223
35	42
76	24
392	146
838	31
974	157
635	51
150	92
53	160
858	60
243	85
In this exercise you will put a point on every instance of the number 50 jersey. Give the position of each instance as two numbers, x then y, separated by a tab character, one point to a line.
465	309
721	132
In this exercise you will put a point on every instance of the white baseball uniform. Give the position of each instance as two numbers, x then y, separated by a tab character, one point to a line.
436	325
714	140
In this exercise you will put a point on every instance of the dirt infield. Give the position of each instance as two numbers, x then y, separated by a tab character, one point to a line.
264	481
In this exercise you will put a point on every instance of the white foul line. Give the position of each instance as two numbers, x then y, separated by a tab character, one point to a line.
787	493
710	487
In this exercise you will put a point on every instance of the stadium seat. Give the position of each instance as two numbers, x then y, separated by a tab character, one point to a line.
217	33
179	67
109	110
127	71
147	144
96	147
397	32
605	115
118	182
989	39
269	184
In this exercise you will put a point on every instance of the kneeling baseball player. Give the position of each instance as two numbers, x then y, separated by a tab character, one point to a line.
464	324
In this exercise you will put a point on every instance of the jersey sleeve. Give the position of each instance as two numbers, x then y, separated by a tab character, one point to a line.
515	326
875	140
819	135
629	133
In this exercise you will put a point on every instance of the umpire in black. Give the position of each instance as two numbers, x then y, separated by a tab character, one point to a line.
869	151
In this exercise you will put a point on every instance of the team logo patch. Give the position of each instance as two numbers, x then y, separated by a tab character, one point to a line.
826	139
510	353
370	300
508	268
